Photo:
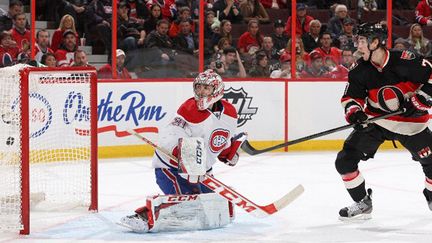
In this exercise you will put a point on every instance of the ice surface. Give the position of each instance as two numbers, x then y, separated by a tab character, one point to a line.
400	210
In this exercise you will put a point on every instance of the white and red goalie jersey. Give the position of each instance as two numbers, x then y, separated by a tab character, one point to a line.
216	128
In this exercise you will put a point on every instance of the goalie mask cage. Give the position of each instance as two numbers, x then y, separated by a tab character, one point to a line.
48	141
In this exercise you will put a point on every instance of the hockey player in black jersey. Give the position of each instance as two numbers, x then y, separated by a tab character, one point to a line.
384	81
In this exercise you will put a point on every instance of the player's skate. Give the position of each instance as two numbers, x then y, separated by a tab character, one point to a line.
137	223
359	210
428	198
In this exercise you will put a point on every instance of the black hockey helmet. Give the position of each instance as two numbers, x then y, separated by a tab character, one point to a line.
372	31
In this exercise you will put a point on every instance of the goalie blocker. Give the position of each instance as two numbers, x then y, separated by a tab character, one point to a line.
180	212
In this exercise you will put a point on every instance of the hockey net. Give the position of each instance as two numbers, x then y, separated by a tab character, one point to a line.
48	141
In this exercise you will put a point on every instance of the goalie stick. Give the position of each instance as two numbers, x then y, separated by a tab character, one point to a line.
247	147
232	195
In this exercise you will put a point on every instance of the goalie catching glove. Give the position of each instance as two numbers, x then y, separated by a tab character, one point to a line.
230	155
191	158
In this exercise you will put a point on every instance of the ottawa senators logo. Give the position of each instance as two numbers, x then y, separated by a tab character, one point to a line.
218	139
390	98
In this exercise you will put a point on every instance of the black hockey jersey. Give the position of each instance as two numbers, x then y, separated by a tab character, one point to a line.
382	89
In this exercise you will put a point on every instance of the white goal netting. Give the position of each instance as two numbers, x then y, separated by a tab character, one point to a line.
60	156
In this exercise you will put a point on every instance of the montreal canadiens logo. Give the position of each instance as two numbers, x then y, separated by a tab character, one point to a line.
218	139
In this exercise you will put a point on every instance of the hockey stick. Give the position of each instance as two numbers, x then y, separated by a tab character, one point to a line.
247	147
232	195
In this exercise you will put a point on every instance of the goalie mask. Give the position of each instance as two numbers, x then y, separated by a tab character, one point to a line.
210	78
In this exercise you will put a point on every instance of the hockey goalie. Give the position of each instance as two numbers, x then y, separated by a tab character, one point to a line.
200	134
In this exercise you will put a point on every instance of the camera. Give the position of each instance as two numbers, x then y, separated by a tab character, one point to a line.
218	64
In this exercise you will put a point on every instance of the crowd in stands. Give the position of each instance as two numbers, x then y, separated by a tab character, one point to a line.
242	38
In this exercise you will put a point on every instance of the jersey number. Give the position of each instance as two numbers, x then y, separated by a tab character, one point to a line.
426	62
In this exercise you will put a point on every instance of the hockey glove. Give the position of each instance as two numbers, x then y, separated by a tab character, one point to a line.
230	155
417	105
355	115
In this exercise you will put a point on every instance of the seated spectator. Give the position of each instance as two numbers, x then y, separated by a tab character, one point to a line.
226	66
253	9
260	68
311	38
99	14
336	71
302	22
8	49
302	57
223	43
423	12
271	52
209	20
48	59
250	41
122	73
186	40
20	34
151	21
56	9
224	31
326	50
138	11
65	54
279	37
6	20
130	33
162	45
228	9
285	68
418	43
168	8
401	44
335	24
193	5
184	14
275	4
80	59
365	6
316	67
42	44
347	39
347	58
66	23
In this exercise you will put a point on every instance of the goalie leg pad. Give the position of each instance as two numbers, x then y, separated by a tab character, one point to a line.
188	212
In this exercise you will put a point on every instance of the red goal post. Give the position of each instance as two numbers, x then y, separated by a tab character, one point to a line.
48	143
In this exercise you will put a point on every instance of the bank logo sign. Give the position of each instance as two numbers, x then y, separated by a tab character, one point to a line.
242	102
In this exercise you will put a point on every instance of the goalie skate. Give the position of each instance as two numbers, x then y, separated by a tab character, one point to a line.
136	223
359	210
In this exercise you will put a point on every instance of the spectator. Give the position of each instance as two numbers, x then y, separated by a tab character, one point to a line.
162	45
130	33
347	39
335	70
80	59
20	34
168	8
401	44
99	15
302	23
48	59
66	23
279	37
367	6
223	43
225	64
228	9
8	49
285	68
335	24
6	20
275	4
138	11
260	68
225	31
253	9
311	38
302	57
75	8
418	43
423	12
193	5
155	16
250	41
65	54
42	44
122	73
271	52
316	67
187	41
209	20
326	50
184	14
347	58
